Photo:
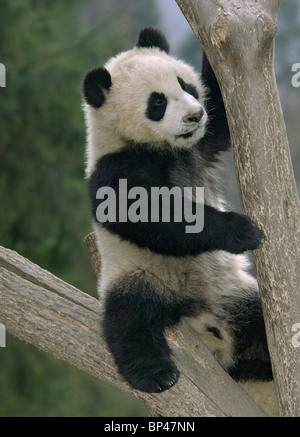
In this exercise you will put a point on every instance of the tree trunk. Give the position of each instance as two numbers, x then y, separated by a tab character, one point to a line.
238	39
39	308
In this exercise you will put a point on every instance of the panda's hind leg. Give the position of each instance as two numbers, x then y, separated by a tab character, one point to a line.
215	335
135	317
134	335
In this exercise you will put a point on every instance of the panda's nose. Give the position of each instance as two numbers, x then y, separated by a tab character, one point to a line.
194	118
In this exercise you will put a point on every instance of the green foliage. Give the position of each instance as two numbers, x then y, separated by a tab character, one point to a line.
44	213
47	46
35	384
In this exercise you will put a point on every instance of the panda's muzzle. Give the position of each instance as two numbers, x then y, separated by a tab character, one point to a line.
193	118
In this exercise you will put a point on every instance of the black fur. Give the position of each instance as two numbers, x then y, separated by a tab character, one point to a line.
133	309
217	138
145	167
150	37
156	106
95	82
135	313
135	318
215	331
252	360
188	88
255	370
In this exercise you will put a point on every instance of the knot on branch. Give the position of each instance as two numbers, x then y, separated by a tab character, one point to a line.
266	28
248	30
220	30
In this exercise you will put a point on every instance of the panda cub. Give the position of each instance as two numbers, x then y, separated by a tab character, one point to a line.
153	123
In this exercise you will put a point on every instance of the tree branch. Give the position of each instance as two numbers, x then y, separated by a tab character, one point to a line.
237	37
43	310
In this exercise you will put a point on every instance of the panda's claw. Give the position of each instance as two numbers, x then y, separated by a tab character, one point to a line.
158	382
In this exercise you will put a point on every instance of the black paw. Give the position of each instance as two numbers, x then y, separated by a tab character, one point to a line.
156	380
244	234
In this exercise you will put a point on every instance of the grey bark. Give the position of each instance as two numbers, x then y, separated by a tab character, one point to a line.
238	39
43	310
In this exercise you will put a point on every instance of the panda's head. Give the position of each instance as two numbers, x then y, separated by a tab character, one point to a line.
145	95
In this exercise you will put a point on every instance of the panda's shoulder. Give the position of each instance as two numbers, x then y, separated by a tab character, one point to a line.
139	162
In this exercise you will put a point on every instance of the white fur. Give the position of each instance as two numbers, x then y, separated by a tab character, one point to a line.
198	275
174	273
134	74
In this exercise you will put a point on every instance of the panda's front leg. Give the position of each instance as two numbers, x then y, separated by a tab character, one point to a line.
133	325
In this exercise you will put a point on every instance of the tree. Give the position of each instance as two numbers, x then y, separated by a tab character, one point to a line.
50	314
237	37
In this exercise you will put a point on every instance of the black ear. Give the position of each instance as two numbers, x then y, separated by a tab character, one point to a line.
95	83
151	37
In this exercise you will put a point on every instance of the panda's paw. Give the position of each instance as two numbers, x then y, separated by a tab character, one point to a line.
244	234
156	380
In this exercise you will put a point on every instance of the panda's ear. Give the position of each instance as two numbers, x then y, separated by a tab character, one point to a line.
96	85
151	37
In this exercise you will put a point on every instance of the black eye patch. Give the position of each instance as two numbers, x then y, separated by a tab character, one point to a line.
156	106
188	88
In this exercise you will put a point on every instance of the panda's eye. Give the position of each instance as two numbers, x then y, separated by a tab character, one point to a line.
156	106
159	100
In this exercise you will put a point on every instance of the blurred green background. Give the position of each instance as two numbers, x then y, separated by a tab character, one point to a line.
47	46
